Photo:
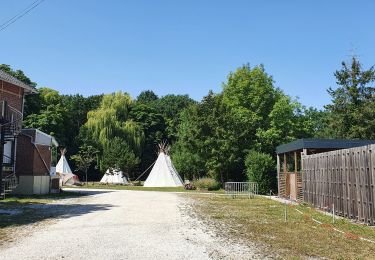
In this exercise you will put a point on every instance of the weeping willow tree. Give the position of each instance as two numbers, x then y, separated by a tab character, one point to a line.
112	120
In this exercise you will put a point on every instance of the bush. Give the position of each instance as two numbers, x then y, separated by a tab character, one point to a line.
206	184
260	168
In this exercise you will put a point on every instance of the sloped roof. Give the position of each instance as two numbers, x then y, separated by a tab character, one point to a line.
12	80
321	144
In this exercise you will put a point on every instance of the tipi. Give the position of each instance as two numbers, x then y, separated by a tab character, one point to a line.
64	171
112	176
163	174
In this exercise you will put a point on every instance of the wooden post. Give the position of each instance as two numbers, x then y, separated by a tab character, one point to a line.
296	175
287	188
278	174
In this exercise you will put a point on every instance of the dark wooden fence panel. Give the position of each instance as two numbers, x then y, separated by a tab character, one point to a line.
343	179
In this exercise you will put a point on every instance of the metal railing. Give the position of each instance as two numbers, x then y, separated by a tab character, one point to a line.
236	189
9	183
11	119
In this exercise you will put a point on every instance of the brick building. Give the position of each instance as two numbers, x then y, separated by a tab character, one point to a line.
33	164
12	96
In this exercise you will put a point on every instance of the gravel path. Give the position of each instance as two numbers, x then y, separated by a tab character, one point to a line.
127	225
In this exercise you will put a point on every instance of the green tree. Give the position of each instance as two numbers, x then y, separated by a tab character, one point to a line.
50	117
170	106
153	126
86	156
18	74
147	97
112	119
352	112
117	154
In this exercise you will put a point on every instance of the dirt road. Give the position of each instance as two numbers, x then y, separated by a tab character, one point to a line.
126	225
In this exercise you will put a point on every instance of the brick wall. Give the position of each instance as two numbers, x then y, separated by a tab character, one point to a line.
24	156
30	159
39	168
12	94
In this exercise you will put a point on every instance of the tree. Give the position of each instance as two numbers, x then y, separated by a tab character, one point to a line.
86	156
352	112
153	125
112	119
170	106
118	155
147	96
18	74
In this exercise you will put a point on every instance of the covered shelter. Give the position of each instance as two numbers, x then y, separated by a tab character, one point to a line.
289	163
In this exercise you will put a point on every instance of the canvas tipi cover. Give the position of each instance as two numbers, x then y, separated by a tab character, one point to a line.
62	166
114	177
64	171
163	174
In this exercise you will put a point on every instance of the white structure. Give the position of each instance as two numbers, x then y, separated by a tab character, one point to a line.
163	174
114	177
64	171
62	166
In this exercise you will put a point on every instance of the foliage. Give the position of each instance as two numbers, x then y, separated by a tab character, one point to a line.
18	74
112	119
170	106
86	156
117	154
206	184
260	168
147	96
352	112
153	126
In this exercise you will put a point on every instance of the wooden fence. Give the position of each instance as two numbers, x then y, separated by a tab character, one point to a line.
343	180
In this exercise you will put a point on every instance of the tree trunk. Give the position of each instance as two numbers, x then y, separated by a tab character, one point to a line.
86	178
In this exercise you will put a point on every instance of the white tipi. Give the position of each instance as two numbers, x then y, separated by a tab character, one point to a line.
163	174
62	166
114	177
64	171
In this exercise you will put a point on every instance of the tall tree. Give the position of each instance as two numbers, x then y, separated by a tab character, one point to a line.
112	119
353	102
170	106
147	96
117	154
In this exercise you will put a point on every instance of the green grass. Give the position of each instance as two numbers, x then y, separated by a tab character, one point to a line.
261	220
141	188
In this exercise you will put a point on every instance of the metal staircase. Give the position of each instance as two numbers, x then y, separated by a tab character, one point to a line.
10	127
9	183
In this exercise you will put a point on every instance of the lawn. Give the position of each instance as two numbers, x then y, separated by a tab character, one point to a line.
261	220
141	188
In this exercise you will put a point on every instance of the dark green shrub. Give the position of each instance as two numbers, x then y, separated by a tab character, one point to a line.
260	168
206	184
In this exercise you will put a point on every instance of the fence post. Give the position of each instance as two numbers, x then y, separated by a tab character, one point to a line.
333	213
286	212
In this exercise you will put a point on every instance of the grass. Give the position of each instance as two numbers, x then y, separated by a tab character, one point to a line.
141	188
261	220
27	214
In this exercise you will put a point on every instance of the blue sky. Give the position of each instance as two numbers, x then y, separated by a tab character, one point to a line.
186	47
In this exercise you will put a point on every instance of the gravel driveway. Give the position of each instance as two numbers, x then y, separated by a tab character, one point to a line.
127	225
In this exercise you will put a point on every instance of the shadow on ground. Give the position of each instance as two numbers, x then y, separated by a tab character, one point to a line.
29	210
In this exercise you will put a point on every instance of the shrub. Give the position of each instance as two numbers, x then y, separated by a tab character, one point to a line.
206	184
260	168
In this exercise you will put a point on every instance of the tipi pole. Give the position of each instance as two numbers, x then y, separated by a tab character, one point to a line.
145	171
